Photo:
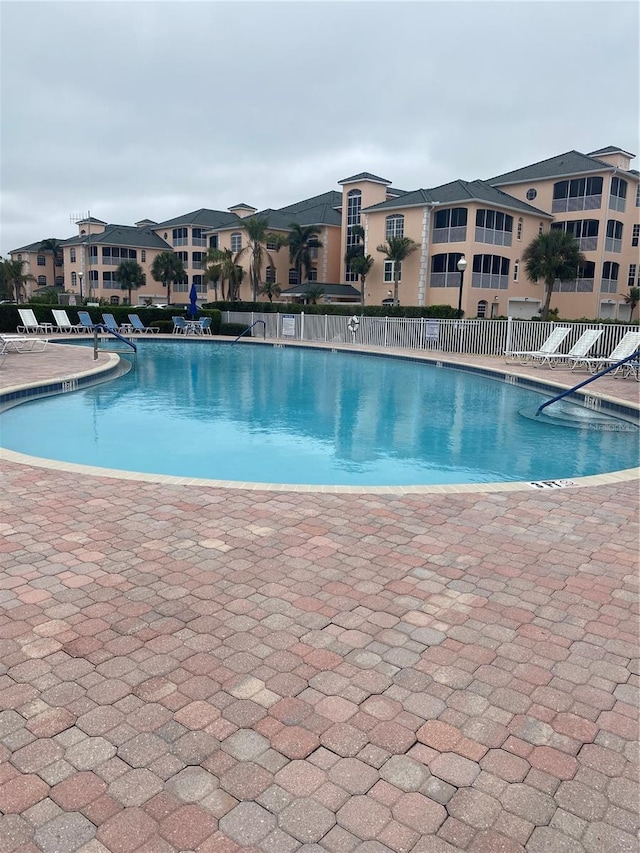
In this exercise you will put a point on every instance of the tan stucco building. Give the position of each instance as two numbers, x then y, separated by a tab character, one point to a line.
490	222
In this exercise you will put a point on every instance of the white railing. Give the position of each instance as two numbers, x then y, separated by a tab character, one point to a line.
473	337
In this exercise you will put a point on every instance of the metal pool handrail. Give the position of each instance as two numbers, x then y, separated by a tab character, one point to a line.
248	329
593	378
100	327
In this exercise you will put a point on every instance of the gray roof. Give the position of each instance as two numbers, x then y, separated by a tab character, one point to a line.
570	163
364	176
244	205
328	289
32	247
317	210
610	149
332	198
122	235
203	218
457	192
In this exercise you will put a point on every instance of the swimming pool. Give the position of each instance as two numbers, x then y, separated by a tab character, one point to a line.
302	416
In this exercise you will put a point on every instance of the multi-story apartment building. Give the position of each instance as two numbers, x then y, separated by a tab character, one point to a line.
45	267
490	222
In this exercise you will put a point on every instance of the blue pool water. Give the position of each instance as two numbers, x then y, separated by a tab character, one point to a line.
290	415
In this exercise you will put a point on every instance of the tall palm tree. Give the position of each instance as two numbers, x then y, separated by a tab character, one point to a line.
211	275
302	239
257	228
14	278
55	247
397	249
552	256
226	269
167	268
130	276
361	265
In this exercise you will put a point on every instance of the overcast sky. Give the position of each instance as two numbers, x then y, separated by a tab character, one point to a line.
135	110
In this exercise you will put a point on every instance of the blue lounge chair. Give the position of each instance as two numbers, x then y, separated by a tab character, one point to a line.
179	326
85	321
138	326
205	325
110	322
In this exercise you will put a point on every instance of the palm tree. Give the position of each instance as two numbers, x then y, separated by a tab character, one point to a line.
14	278
397	249
632	298
552	256
55	247
226	269
167	268
361	265
271	289
312	292
302	239
211	276
130	276
258	234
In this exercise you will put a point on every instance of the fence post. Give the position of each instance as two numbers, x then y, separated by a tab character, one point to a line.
302	325
507	346
386	330
326	320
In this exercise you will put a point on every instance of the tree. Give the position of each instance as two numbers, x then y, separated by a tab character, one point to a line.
211	276
302	239
271	289
257	228
552	256
226	269
361	265
14	278
397	249
130	276
55	247
632	299
312	292
167	268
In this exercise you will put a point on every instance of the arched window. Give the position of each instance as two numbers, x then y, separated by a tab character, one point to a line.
236	242
516	269
482	308
519	232
115	300
394	226
270	275
450	225
293	276
74	279
42	281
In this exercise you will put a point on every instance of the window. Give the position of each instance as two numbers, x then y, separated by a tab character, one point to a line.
179	236
394	226
114	300
197	237
519	232
74	279
635	237
482	308
610	273
613	242
72	256
182	286
638	196
114	254
450	226
293	276
41	260
109	281
270	275
143	255
532	194
389	269
19	257
516	269
201	286
444	270
354	206
313	274
213	242
577	194
618	194
490	271
93	254
272	246
42	281
236	242
184	257
493	226
633	269
585	232
197	259
93	277
540	227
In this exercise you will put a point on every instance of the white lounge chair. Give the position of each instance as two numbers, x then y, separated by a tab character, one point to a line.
20	343
549	348
63	323
579	350
30	324
627	346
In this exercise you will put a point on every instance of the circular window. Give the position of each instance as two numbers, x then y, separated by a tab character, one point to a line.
531	194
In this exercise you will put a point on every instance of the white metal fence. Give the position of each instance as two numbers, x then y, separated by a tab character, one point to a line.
474	337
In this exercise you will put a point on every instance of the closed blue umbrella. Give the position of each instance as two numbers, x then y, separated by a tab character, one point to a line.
193	301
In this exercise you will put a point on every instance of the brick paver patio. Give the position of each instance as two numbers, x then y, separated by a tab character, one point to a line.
186	668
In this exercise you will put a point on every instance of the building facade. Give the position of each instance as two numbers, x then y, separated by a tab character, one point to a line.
594	197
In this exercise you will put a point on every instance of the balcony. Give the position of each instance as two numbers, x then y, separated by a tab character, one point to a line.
612	245
578	285
609	285
445	279
490	235
617	203
457	234
490	281
196	241
584	202
587	244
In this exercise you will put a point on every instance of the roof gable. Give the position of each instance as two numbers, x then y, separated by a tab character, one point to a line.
569	163
364	176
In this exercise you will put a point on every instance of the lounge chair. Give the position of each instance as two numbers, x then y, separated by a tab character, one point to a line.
627	346
85	321
21	343
180	326
30	324
110	322
63	323
578	351
205	325
139	326
549	348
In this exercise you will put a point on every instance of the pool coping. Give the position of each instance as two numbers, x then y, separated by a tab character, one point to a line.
102	373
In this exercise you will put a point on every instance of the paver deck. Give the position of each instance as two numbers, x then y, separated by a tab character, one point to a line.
188	668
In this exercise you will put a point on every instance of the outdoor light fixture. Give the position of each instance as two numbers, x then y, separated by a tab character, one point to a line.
462	265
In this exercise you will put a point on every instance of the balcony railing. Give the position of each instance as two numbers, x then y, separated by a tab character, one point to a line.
617	203
612	245
490	281
198	241
609	285
457	234
491	235
588	244
584	202
578	285
445	279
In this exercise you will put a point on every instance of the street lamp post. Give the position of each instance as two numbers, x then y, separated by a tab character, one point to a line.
80	277
462	265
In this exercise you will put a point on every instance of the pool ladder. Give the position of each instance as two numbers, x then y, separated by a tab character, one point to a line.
100	327
248	329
